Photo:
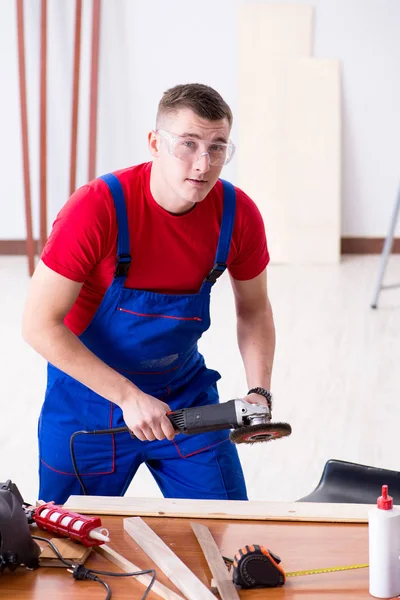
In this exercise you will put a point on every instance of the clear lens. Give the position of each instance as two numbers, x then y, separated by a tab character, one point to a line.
191	150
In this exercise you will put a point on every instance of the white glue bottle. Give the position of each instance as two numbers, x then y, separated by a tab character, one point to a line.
384	548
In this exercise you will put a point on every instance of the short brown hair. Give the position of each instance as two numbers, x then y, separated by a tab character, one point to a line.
202	99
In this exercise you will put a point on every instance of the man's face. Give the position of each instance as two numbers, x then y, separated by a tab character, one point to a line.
181	148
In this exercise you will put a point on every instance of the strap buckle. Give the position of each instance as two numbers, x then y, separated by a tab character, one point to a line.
215	272
123	264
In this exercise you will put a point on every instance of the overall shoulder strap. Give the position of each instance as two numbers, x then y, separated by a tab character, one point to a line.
225	236
123	247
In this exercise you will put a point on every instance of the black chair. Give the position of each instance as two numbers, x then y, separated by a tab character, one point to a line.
352	483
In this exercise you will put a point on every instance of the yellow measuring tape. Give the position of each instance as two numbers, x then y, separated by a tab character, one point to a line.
309	571
240	565
318	571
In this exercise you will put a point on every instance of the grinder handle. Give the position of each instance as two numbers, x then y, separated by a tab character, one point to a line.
200	419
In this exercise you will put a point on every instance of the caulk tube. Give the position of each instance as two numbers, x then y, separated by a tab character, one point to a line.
384	548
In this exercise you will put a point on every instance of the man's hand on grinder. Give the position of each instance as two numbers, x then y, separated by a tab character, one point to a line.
256	399
146	418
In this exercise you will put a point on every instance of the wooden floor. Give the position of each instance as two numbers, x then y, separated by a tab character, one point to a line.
336	376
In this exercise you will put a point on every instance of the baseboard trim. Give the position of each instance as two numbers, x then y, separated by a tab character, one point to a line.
349	245
364	245
15	247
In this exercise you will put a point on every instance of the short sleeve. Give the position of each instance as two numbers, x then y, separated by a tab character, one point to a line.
83	233
251	255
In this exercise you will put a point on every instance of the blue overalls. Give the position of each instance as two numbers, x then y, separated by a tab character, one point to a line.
151	339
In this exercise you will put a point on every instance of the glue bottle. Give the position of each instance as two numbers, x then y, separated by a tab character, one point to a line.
384	548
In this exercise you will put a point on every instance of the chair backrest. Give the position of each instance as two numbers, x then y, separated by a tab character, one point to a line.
353	483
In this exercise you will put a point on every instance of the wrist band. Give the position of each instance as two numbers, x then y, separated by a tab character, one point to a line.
262	392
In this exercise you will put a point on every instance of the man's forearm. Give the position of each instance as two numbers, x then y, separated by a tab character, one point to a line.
59	346
256	339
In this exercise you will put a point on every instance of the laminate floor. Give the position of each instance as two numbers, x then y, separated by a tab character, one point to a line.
336	378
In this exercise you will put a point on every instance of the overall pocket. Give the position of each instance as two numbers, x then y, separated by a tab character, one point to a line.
69	407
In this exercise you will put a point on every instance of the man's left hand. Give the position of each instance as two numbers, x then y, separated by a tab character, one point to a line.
255	399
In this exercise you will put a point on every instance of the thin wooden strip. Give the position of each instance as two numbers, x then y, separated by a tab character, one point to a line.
166	560
75	96
94	77
222	578
43	125
221	509
117	559
30	244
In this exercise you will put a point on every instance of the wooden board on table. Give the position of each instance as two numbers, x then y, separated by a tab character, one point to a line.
117	559
220	509
222	579
180	575
68	549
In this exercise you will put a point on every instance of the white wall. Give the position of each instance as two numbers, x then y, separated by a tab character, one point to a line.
147	46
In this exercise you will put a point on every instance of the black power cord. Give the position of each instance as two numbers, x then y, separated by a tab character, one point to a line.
80	572
72	448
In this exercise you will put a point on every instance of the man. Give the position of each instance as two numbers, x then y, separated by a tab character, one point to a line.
120	298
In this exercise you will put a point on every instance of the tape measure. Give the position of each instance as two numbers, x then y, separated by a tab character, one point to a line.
329	570
256	566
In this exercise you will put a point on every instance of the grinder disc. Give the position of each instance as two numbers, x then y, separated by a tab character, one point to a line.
263	432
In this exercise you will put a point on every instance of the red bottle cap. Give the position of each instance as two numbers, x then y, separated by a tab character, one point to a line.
385	502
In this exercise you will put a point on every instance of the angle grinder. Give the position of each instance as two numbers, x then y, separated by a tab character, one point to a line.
249	423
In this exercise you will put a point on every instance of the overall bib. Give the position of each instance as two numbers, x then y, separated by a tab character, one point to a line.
151	339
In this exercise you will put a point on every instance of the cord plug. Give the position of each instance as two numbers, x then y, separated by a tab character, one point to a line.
80	572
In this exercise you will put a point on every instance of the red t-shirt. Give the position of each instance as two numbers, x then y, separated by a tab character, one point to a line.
170	253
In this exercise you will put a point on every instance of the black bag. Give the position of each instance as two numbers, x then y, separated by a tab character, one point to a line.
16	544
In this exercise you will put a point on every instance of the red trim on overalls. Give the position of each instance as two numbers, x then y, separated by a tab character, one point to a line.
96	472
132	312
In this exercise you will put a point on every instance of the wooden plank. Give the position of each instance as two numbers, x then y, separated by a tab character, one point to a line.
220	509
68	549
166	560
313	161
117	559
221	575
270	36
274	31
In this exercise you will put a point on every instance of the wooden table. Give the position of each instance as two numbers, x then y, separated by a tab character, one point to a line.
300	546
